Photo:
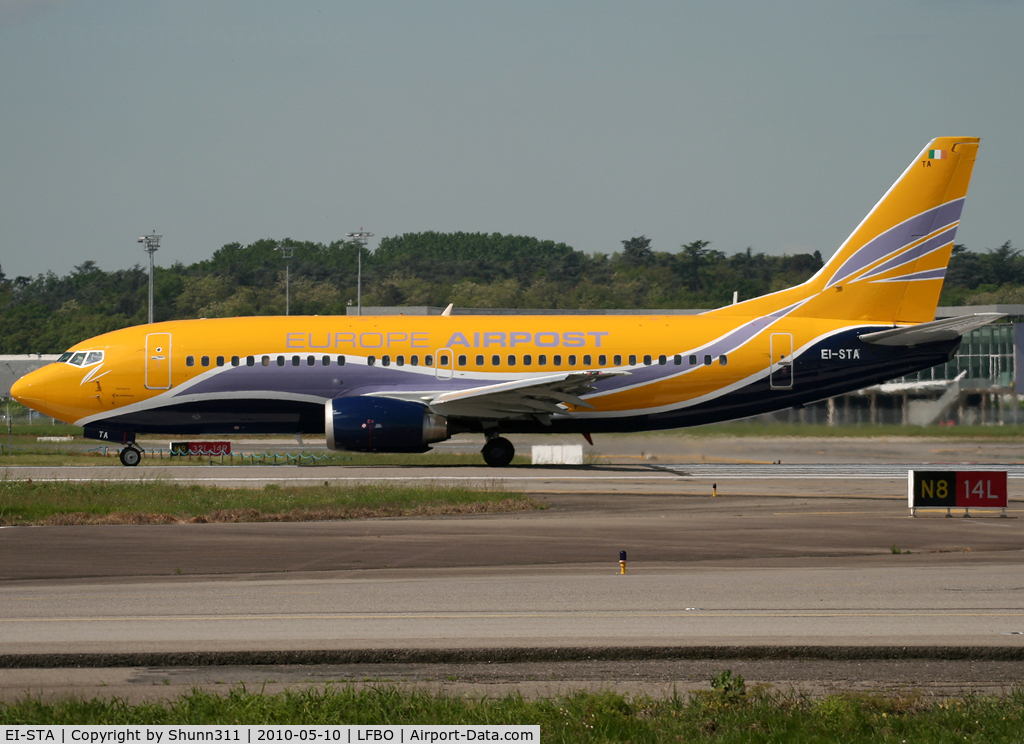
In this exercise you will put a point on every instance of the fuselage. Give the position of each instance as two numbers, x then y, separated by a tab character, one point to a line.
275	374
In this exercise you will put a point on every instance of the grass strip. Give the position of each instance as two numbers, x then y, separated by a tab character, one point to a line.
154	502
727	713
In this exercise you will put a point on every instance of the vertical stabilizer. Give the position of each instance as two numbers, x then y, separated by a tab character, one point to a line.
890	270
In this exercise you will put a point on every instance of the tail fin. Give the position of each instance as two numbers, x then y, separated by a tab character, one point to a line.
890	270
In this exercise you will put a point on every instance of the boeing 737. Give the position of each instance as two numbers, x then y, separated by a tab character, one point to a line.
400	383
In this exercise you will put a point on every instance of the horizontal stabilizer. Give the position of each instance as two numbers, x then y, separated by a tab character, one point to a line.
946	329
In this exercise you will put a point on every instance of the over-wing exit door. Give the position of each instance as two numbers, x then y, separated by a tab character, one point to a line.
158	361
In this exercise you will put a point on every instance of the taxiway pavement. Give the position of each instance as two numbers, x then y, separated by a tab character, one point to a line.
812	558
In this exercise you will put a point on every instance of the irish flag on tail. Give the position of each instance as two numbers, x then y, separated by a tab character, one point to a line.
938	154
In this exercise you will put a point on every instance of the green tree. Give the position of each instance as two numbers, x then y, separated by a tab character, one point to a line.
693	258
637	251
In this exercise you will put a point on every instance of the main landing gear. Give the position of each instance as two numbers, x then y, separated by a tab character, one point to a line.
498	452
131	455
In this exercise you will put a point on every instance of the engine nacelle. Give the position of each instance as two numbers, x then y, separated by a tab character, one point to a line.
371	424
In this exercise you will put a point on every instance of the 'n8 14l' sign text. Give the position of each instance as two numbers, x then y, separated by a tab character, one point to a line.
951	489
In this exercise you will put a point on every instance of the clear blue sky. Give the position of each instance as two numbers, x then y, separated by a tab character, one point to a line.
774	125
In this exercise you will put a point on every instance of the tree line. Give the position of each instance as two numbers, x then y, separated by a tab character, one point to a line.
49	313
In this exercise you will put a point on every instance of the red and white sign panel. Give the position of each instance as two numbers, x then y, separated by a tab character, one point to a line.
981	489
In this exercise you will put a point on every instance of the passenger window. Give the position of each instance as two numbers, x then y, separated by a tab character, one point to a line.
341	361
371	360
586	360
723	360
511	360
479	360
707	360
572	360
602	360
385	360
662	359
632	358
400	360
414	360
677	359
693	359
250	361
647	359
295	360
205	361
280	361
220	361
527	360
542	360
266	361
235	361
190	361
495	360
326	361
462	360
557	360
310	360
428	360
617	360
443	359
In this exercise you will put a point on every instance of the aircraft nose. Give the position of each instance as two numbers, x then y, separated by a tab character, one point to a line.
29	390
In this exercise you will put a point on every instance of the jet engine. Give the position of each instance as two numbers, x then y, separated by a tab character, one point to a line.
371	424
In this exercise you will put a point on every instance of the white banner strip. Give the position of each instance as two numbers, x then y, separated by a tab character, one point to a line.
125	734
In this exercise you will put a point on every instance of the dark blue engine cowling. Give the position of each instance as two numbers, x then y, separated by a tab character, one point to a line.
370	424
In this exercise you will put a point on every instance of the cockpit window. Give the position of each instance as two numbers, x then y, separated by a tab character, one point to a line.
81	358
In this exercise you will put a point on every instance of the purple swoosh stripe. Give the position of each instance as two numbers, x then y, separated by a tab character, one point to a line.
919	276
898	236
320	382
647	374
939	241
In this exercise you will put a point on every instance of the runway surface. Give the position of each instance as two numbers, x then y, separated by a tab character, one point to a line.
786	556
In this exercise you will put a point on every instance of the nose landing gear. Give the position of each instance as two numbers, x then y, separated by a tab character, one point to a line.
130	455
498	452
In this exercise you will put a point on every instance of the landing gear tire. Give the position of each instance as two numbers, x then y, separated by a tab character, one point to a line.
130	457
498	452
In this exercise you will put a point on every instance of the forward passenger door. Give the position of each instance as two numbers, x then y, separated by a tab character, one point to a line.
158	361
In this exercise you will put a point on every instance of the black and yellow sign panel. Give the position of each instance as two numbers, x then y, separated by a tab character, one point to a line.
936	488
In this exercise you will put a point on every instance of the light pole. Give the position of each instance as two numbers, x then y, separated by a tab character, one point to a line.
359	238
152	243
287	251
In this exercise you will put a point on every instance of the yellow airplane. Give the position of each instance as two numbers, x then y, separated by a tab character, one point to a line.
399	384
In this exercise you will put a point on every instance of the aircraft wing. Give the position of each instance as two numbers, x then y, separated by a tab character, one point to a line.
946	329
533	396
